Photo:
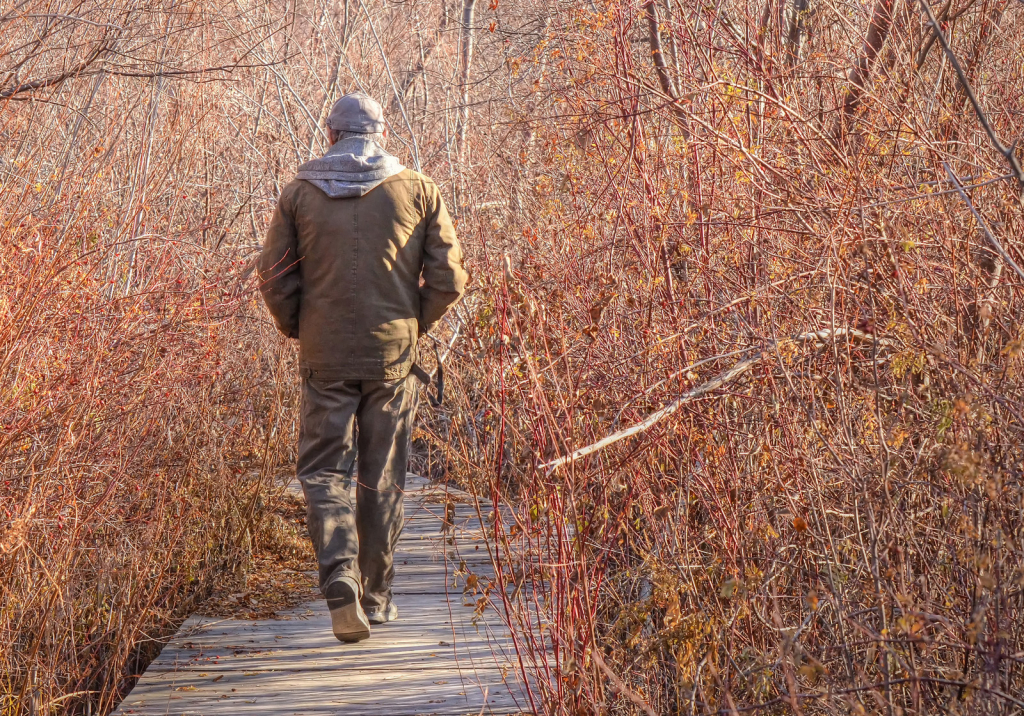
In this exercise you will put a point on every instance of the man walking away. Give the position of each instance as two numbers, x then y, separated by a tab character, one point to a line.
360	260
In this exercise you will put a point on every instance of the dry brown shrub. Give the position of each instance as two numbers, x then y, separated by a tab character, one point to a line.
143	397
838	528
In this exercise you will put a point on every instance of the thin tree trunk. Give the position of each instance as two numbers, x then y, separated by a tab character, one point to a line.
657	54
660	67
796	31
468	8
672	45
531	101
522	167
412	75
860	73
763	31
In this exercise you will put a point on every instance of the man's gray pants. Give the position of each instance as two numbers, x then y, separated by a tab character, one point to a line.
358	540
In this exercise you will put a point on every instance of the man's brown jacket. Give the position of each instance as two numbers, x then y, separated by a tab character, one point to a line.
344	275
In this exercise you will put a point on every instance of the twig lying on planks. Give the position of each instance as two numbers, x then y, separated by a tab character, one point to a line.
718	381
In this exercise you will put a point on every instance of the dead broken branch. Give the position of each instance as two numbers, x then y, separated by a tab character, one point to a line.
820	336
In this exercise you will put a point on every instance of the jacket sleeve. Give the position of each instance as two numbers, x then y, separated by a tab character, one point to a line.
444	279
280	281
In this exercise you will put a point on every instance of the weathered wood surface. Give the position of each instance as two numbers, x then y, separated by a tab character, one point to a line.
439	658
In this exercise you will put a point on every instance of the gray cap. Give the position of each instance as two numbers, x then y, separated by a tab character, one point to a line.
356	112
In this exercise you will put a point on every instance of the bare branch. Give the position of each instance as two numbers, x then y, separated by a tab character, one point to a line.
11	92
1000	147
981	222
75	71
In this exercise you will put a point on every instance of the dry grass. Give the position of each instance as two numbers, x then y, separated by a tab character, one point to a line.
281	571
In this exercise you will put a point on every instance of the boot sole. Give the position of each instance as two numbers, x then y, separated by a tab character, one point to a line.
347	618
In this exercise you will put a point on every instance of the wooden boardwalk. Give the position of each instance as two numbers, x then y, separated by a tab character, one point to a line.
439	658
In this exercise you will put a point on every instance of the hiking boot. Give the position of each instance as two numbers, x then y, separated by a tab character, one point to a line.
382	615
347	617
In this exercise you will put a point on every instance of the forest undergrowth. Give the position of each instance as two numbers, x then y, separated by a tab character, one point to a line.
751	368
146	406
742	347
138	412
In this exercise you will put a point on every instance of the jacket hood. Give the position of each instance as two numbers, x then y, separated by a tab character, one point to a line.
350	168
